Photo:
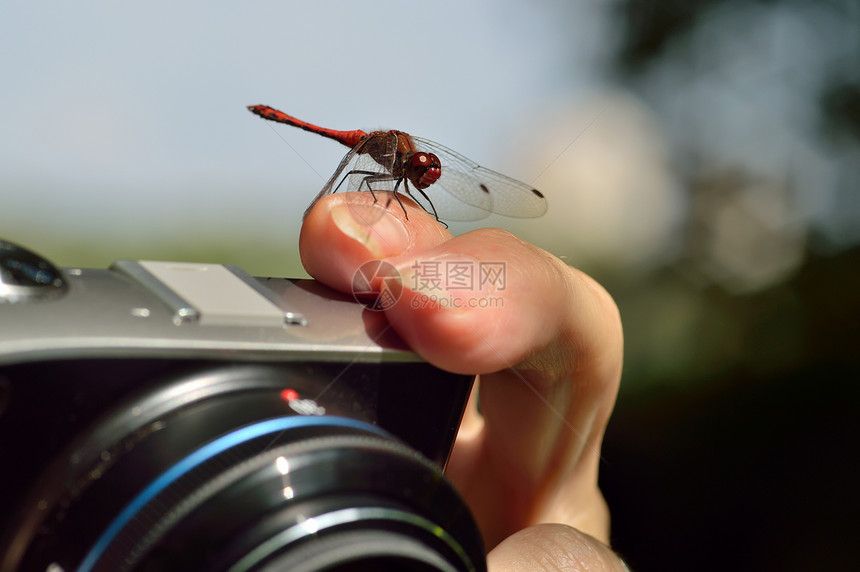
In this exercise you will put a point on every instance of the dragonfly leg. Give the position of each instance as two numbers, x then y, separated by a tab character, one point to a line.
373	177
397	184
370	174
429	202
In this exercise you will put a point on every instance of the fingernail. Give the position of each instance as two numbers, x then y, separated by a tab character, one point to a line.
382	233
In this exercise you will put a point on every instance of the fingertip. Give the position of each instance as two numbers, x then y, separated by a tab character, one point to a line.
345	230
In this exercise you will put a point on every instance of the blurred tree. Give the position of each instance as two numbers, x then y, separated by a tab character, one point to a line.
650	25
733	443
840	102
770	88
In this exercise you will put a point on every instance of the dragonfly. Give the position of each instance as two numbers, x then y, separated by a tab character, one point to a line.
395	161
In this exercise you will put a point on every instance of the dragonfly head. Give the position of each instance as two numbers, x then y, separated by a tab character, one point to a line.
423	169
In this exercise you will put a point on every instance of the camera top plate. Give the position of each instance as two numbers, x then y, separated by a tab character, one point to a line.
143	309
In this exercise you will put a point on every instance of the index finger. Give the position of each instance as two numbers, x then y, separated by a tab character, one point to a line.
548	349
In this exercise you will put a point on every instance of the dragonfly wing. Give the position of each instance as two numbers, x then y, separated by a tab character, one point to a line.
358	164
481	188
331	184
445	205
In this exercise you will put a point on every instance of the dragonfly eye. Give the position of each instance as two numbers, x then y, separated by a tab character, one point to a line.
423	169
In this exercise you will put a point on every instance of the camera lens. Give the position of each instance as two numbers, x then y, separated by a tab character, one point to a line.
241	468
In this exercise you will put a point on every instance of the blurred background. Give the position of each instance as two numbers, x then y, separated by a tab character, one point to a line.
701	158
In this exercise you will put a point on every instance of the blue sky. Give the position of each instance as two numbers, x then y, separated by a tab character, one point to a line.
125	125
122	118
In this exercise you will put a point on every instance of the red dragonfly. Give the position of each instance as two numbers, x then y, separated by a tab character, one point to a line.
383	160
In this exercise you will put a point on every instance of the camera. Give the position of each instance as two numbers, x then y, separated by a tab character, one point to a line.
185	416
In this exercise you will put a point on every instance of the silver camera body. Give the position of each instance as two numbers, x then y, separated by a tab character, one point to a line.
167	416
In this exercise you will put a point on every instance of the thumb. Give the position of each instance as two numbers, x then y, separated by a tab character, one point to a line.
551	547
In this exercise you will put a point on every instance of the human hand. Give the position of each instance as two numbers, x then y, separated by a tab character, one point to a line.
548	350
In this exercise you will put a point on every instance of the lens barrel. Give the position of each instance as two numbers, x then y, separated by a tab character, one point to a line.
239	468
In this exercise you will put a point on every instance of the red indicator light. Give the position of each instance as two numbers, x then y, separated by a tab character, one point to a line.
289	394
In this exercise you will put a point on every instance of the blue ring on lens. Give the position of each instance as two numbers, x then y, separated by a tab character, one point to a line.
202	455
